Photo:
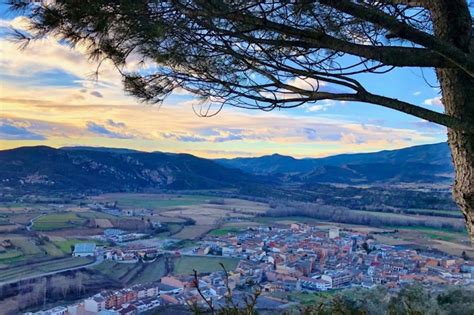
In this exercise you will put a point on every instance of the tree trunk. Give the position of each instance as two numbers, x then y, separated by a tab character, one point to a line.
452	23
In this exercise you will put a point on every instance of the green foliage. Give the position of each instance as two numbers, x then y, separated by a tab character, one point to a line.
411	300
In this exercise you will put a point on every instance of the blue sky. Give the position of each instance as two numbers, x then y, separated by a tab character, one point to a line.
48	96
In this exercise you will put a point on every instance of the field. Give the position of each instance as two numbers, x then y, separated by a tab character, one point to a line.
210	216
26	245
33	269
10	255
188	218
28	248
193	231
58	221
94	215
128	274
224	231
186	264
152	201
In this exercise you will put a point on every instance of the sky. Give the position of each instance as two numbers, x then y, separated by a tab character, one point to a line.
49	96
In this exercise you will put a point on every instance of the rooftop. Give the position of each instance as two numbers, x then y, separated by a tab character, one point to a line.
84	248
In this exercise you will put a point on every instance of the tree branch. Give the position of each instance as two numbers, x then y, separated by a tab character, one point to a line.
418	111
313	38
404	31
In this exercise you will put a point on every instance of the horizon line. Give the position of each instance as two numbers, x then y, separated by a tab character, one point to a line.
217	158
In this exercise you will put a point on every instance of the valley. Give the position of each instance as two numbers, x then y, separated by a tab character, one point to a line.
146	225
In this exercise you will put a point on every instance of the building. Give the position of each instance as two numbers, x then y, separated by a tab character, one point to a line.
58	310
94	304
337	279
334	232
311	284
111	233
85	250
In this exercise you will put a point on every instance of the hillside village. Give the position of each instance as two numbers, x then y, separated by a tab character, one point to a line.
300	258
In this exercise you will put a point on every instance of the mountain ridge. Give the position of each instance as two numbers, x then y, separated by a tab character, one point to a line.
422	163
117	169
109	170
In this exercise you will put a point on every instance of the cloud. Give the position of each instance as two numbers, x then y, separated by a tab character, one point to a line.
226	153
183	137
29	70
97	94
215	135
67	114
428	125
305	83
230	137
417	93
117	124
311	133
435	101
351	138
103	131
317	108
10	131
325	105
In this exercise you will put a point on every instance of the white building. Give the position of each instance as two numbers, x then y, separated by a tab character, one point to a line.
311	284
337	279
228	251
334	232
85	250
58	310
94	304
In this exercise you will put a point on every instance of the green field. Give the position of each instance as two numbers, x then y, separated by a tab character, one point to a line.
442	234
186	264
58	221
69	262
95	215
10	255
52	250
27	249
225	231
26	246
174	228
428	229
4	221
132	273
151	272
42	267
154	201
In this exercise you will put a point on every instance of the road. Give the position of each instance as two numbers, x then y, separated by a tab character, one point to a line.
99	259
32	221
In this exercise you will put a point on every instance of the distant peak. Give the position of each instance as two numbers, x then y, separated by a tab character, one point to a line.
277	155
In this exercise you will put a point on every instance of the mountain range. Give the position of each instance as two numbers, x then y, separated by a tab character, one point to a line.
424	163
103	169
84	169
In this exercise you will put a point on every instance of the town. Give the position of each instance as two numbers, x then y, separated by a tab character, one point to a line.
297	258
